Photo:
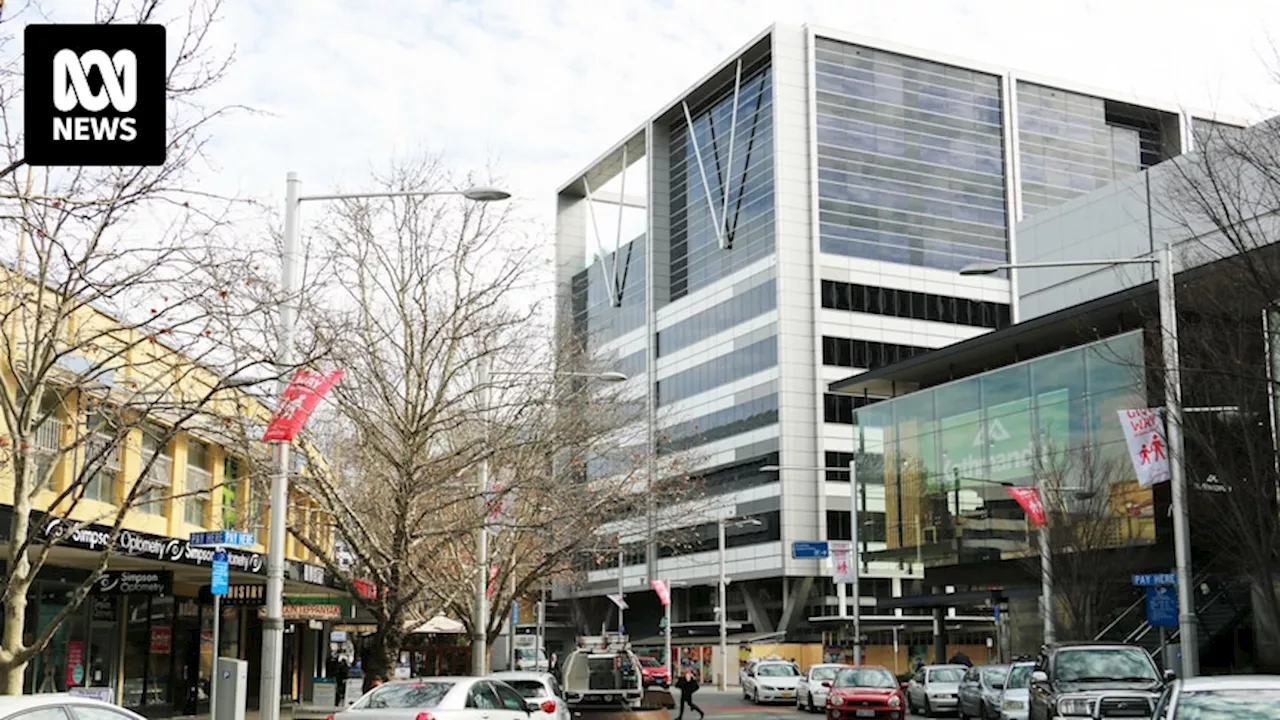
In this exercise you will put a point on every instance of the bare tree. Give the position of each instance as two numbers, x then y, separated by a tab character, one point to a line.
128	311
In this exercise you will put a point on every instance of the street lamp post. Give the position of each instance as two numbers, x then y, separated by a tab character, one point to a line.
721	524
1163	261
273	623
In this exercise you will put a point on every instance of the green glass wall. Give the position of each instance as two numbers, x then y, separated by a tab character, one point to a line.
947	455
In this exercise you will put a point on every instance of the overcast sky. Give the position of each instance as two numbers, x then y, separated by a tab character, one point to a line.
543	86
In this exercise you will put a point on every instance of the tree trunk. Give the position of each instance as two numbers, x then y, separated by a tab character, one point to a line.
12	670
383	651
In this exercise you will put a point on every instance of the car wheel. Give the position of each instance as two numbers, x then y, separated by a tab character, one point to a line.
928	711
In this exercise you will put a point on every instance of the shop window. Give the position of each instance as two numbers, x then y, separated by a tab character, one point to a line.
148	651
199	480
157	454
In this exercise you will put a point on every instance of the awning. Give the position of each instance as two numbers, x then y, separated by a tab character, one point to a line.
439	625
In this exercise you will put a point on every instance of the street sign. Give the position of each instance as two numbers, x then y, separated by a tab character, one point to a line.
1155	579
229	538
220	576
1162	607
810	550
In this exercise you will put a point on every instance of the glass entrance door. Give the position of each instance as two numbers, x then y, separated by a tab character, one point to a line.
100	667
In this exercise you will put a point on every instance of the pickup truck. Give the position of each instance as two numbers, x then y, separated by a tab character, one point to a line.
1096	680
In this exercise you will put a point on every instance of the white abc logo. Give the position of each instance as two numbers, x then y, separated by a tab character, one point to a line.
119	81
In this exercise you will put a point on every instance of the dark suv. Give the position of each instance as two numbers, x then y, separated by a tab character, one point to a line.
1096	680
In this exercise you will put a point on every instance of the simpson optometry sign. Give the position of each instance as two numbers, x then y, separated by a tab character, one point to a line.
134	582
152	547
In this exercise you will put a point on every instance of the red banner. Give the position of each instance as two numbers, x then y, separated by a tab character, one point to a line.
663	588
1029	499
366	588
493	581
300	399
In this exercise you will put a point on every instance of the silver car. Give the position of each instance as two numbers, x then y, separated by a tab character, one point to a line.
980	691
1235	696
72	707
541	687
815	685
445	698
934	688
1015	701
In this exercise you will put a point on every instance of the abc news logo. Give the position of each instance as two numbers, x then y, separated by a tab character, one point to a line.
95	95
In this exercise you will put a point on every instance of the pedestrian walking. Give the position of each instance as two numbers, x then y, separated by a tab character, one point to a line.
687	687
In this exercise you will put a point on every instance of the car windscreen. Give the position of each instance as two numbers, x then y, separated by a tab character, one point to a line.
1104	664
862	678
528	688
1228	705
994	676
777	670
946	675
823	673
650	662
1019	678
404	696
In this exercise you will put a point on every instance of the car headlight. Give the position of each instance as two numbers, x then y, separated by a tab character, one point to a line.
1075	706
1012	705
837	700
895	701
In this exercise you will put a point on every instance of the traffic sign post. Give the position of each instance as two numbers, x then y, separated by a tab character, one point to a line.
219	583
1149	580
1162	607
810	550
222	538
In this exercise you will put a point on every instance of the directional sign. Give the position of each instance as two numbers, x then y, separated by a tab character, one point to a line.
810	549
216	538
1155	579
1162	607
220	576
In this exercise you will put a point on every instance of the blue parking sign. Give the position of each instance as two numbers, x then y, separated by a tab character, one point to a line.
1162	607
220	576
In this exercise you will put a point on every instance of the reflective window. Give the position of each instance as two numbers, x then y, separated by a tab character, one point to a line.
596	319
758	413
837	408
1228	704
868	354
705	537
865	678
735	365
741	307
404	695
910	159
916	305
743	174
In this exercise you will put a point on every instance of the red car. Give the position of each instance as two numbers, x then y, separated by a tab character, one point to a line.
868	691
653	672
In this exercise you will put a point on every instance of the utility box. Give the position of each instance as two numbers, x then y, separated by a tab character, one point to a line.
233	688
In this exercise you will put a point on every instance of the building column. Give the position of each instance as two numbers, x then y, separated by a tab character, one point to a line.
939	635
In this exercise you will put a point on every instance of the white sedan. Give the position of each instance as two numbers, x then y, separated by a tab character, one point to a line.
540	687
440	698
772	681
61	706
811	693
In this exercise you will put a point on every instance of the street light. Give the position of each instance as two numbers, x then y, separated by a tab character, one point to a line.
480	624
856	513
1163	261
273	623
721	524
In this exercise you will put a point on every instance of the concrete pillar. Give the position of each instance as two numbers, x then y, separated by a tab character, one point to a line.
940	634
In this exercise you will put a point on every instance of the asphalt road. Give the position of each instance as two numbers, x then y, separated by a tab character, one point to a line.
731	706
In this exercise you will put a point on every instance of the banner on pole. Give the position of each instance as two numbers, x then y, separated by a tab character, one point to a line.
620	601
842	563
1029	500
1144	432
493	581
299	400
663	588
500	505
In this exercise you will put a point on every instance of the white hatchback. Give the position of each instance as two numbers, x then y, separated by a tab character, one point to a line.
811	693
772	681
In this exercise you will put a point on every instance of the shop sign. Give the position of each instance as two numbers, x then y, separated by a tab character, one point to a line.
319	608
95	538
134	582
249	595
75	663
103	608
161	640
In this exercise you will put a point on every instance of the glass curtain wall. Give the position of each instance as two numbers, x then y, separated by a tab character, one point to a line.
947	455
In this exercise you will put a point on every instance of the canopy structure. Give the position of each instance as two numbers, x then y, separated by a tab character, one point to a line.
439	625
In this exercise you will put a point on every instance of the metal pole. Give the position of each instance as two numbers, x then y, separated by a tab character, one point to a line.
1046	571
671	667
1187	621
856	589
273	623
542	623
724	615
480	624
895	649
213	678
511	627
622	593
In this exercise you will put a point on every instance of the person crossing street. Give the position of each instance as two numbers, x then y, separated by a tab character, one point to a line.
687	687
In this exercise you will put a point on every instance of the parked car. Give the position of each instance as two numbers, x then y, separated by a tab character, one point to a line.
1228	696
771	681
934	688
1095	680
979	694
1014	698
653	672
73	707
811	692
541	687
866	691
441	698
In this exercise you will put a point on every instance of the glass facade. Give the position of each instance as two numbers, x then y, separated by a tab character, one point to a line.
596	319
893	302
746	220
734	365
1071	144
743	306
751	415
868	354
947	454
910	159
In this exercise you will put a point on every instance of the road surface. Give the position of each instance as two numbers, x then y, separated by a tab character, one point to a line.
729	705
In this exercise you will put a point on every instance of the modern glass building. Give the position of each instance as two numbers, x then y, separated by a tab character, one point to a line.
796	216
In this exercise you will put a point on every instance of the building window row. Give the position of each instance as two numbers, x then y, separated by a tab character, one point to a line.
840	526
758	413
892	302
595	317
735	365
838	408
720	317
868	354
870	467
